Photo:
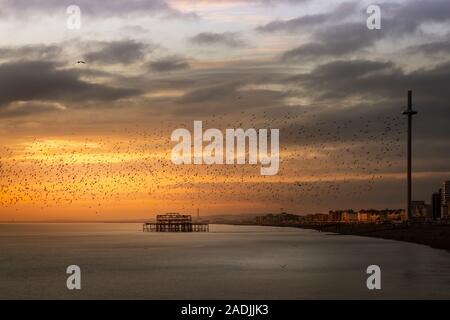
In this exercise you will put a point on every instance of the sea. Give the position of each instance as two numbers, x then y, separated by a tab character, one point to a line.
120	261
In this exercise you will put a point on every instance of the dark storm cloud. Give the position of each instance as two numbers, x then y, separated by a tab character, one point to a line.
346	123
202	83
229	39
31	52
239	73
168	64
348	91
334	35
209	91
336	41
98	8
208	94
44	81
228	97
298	24
343	79
295	24
409	15
432	48
339	74
397	18
20	109
120	51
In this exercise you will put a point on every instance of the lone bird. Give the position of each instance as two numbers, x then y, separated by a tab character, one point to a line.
81	62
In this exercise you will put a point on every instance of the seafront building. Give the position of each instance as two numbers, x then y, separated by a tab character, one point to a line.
421	211
278	219
338	216
436	201
366	216
350	216
445	200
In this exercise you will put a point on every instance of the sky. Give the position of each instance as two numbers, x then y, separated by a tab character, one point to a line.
92	141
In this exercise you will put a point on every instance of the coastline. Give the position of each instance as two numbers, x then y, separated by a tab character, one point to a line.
432	235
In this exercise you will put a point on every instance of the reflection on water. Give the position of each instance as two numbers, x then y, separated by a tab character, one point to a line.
230	262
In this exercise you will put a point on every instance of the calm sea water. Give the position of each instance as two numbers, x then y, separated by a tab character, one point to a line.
119	261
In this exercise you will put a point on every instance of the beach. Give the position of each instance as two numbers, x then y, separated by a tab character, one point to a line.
434	235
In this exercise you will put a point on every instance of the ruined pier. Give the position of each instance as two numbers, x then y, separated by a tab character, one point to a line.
174	222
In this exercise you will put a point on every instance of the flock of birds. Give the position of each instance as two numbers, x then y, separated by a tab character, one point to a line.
320	161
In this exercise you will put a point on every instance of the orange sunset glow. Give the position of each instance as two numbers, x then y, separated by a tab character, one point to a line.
86	115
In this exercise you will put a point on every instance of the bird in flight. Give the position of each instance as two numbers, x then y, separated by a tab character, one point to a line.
81	62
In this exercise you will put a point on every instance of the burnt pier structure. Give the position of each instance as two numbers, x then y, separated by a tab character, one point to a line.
174	222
